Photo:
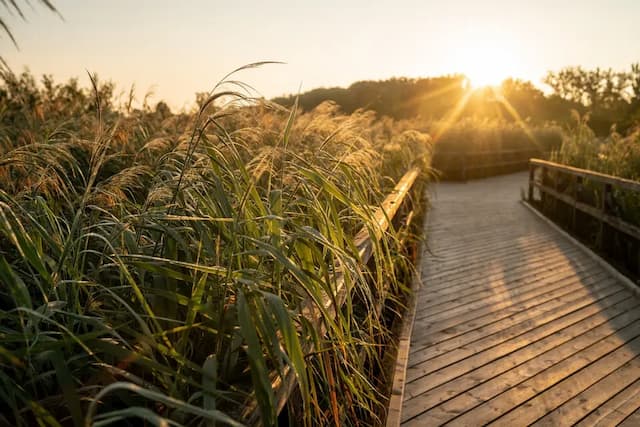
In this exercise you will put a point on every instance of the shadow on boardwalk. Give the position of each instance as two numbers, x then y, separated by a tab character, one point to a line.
515	324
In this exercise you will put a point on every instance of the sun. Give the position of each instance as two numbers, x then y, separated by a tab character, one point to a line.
485	64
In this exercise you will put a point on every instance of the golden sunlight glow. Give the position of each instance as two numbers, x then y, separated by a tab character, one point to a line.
485	63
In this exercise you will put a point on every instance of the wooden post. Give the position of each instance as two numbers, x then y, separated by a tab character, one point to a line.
577	190
574	184
556	178
543	194
532	175
606	195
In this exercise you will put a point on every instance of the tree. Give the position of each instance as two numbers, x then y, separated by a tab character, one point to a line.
634	82
599	88
609	97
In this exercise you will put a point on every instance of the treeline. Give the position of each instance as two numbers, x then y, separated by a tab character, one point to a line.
608	97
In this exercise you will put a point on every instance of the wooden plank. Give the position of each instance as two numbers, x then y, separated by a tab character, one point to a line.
551	266
478	391
519	350
482	316
518	331
516	272
498	292
438	299
583	403
616	409
453	252
497	332
632	420
427	340
569	386
515	316
448	257
394	411
522	395
511	261
457	230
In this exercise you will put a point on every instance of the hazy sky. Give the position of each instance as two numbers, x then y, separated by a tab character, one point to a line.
179	47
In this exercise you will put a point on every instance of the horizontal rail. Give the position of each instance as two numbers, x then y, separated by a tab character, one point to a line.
466	163
612	220
604	213
489	153
284	385
626	184
497	164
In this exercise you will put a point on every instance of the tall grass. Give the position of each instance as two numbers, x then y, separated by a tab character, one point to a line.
154	266
615	155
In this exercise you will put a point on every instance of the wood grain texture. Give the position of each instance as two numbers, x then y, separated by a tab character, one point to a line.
514	323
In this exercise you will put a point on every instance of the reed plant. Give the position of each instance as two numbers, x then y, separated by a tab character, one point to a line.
617	155
154	266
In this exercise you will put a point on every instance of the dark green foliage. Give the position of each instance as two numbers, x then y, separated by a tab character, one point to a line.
610	98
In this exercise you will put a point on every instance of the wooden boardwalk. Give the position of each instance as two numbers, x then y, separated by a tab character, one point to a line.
515	324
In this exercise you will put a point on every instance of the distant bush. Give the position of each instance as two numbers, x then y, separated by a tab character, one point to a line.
473	147
476	135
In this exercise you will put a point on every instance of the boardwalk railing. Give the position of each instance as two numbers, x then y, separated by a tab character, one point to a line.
469	164
601	209
398	209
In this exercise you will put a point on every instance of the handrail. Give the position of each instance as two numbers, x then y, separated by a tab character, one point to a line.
364	241
585	173
462	163
604	213
489	152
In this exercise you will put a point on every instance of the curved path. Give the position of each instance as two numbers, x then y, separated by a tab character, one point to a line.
515	324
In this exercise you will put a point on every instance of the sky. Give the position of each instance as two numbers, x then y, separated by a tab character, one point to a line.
176	48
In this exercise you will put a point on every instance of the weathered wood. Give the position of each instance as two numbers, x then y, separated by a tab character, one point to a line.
616	409
521	333
506	381
453	326
517	332
495	333
394	414
532	177
587	174
608	355
600	213
583	403
632	420
498	307
440	296
554	328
